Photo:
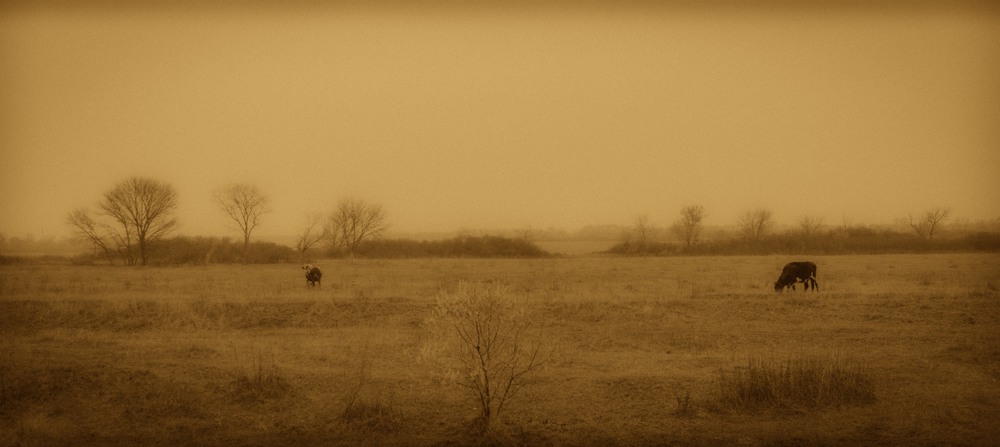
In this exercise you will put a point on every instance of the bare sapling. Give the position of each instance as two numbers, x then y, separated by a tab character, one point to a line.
366	408
492	346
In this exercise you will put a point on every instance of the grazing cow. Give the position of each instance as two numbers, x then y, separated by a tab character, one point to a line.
804	272
313	275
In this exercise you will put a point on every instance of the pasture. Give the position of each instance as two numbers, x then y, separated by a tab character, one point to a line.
248	355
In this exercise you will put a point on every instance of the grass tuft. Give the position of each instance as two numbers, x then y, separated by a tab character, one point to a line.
685	405
798	383
373	413
257	377
366	408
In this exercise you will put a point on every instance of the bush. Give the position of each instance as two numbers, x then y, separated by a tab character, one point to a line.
982	241
459	247
492	344
366	407
183	250
649	248
843	240
796	383
257	377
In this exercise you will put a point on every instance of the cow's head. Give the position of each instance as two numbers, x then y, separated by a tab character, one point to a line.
307	267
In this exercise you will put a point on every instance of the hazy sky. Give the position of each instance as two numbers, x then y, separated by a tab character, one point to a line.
457	117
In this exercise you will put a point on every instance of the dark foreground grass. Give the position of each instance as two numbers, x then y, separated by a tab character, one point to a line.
257	376
796	384
694	351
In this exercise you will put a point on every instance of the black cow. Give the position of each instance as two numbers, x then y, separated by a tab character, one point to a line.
804	272
313	275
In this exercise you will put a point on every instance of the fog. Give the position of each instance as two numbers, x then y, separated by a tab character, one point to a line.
472	117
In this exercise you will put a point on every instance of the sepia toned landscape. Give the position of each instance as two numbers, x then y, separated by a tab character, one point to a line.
637	353
520	223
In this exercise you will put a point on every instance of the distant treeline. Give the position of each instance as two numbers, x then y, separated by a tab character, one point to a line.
211	250
180	250
849	240
458	247
183	250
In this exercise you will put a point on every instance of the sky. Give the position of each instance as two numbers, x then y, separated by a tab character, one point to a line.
462	115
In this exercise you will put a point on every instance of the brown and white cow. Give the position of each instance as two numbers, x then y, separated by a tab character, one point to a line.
313	275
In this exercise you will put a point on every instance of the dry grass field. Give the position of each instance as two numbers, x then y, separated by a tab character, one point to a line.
641	351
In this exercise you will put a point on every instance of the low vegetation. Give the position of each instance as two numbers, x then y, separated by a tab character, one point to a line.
256	375
369	407
492	341
894	350
185	250
817	240
796	384
842	240
459	247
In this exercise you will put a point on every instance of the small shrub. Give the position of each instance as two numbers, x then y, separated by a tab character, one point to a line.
366	407
685	406
795	384
257	376
492	341
373	413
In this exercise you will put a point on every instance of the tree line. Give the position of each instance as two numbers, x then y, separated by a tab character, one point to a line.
754	233
133	218
131	221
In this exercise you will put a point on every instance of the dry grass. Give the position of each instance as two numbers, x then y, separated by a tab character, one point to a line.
368	406
797	384
257	376
247	355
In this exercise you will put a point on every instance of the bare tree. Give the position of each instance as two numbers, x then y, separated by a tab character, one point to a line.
354	221
932	222
90	230
310	235
642	231
755	223
626	237
142	211
844	229
689	226
496	342
527	234
244	204
810	225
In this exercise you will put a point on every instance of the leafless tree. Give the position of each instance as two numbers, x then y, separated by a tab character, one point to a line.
244	204
932	222
354	221
626	237
527	234
91	230
810	225
689	226
497	343
142	210
754	223
844	229
635	239
642	231
310	235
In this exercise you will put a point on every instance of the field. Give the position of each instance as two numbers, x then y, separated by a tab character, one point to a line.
638	349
